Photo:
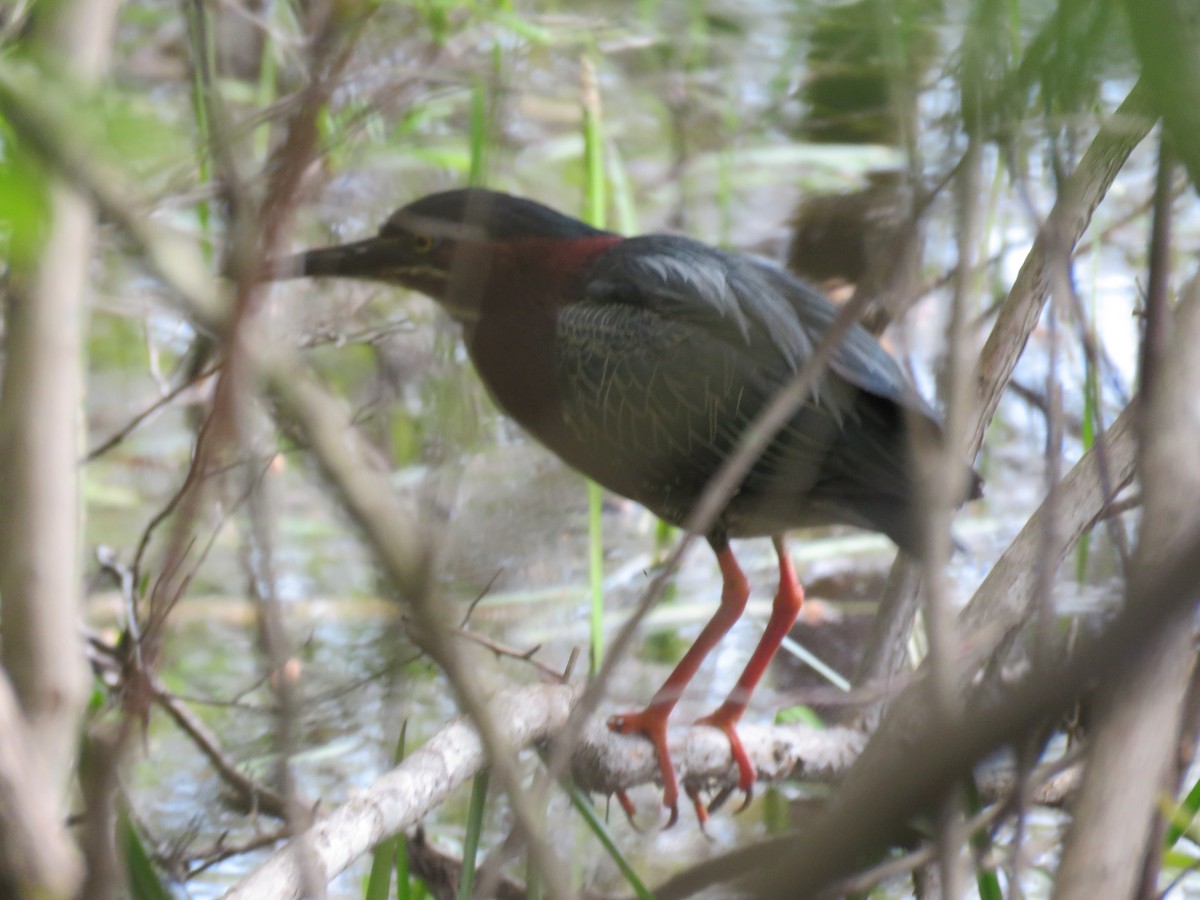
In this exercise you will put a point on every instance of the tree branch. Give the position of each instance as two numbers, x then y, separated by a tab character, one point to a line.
41	398
602	763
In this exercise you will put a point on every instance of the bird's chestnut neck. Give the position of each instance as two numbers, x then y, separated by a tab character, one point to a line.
519	274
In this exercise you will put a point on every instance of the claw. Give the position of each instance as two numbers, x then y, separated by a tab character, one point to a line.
724	720
652	724
629	809
746	802
725	793
674	807
693	793
719	800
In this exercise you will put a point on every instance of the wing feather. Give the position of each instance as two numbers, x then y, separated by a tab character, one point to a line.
677	347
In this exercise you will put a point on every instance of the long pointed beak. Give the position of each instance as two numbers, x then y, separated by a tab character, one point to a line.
382	259
372	258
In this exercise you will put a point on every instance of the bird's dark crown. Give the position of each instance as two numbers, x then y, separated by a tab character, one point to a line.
479	214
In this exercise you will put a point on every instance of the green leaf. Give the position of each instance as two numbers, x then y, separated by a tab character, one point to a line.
474	830
24	206
584	807
379	882
1183	817
535	34
480	134
798	715
144	883
986	880
595	213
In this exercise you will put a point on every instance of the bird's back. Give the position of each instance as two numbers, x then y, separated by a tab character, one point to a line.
673	351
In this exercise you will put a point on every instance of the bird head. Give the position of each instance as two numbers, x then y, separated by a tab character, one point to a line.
445	245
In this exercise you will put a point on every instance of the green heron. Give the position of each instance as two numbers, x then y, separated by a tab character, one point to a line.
640	361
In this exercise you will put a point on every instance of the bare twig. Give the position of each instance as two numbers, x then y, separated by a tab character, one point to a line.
501	649
1049	781
1000	605
253	796
221	851
132	425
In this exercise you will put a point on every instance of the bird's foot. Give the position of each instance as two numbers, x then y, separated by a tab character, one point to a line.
652	724
725	719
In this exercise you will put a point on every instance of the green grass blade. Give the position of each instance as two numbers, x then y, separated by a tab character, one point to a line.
595	183
199	26
405	889
533	881
379	882
144	883
474	828
818	665
268	80
595	209
584	807
987	881
1183	818
477	175
595	497
624	207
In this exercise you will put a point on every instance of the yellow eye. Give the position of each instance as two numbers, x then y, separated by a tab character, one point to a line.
422	243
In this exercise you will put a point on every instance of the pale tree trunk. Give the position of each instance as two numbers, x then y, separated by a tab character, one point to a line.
1135	740
40	415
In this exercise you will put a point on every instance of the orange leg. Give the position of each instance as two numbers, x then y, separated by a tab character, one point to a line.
784	612
652	721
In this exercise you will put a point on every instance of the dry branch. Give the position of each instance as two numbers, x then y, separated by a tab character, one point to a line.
1000	606
252	795
1020	313
1133	748
398	799
395	534
1001	603
604	762
1081	193
897	778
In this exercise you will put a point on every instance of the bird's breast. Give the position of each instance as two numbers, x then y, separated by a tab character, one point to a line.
514	356
587	393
